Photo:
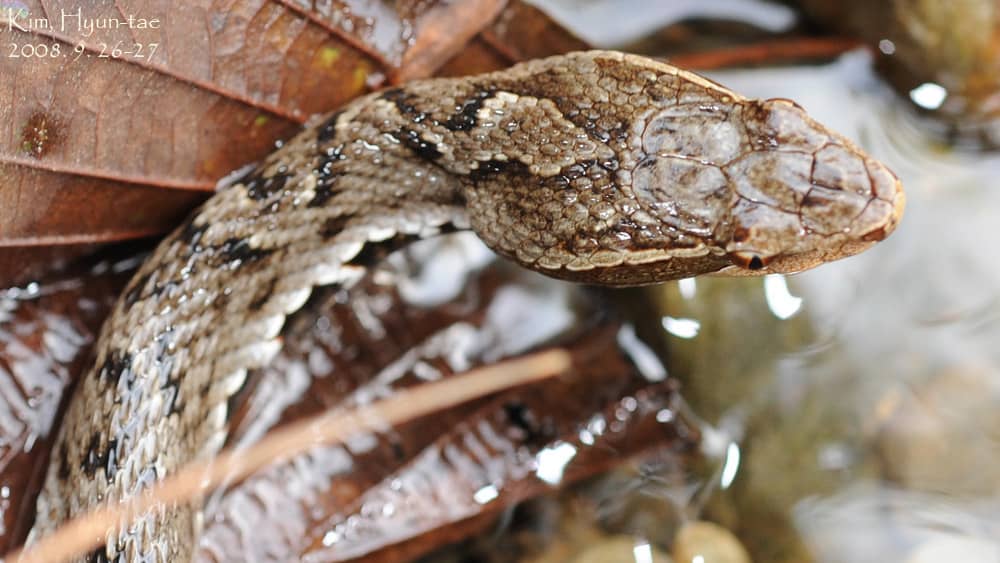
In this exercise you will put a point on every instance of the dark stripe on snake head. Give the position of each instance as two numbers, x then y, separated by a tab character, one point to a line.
467	116
413	141
491	168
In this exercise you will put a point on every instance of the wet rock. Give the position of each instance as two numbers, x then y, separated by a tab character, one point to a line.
944	55
952	416
621	549
706	542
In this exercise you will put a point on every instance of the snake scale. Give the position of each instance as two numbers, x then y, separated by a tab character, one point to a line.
596	167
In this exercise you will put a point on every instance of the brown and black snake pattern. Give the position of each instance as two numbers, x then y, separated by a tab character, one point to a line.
596	167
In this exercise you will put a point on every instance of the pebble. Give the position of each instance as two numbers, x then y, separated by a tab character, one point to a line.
705	542
622	549
951	416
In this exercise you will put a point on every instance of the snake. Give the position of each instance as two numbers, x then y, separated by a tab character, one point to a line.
596	167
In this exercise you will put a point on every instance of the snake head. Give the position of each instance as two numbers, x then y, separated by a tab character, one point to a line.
756	186
803	195
627	171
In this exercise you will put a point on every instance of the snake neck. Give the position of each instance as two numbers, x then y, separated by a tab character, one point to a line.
209	305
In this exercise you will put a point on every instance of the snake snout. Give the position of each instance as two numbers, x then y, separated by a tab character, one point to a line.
885	209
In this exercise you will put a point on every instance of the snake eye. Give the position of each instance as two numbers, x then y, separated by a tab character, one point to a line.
749	260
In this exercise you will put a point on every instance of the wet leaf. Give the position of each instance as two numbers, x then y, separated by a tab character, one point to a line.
488	463
339	356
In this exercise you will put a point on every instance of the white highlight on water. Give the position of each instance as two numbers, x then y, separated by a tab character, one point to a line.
552	462
782	303
681	328
731	466
929	95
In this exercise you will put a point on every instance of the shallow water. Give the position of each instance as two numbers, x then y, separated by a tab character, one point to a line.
903	342
864	394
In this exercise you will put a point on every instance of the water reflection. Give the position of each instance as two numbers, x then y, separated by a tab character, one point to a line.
929	95
782	303
643	553
688	287
731	466
486	494
551	462
681	328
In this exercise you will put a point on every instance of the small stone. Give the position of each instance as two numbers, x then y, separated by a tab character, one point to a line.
621	549
951	416
705	542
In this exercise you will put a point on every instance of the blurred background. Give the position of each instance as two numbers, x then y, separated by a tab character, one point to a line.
846	414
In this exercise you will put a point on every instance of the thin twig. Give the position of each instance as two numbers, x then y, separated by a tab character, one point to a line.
769	52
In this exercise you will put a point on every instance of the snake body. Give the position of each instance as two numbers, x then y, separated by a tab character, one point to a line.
596	167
